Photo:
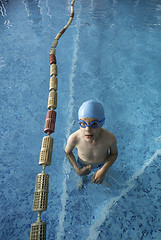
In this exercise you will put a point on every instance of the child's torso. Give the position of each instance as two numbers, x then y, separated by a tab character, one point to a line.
93	153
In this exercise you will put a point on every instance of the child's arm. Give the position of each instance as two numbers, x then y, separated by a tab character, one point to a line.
98	177
71	143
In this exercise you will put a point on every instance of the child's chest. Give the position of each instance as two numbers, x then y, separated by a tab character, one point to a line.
92	149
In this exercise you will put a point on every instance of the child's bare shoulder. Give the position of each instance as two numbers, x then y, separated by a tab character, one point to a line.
108	135
72	142
74	137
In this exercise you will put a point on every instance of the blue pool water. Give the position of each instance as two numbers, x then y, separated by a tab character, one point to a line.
111	53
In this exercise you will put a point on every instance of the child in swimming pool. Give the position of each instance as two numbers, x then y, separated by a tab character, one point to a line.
96	146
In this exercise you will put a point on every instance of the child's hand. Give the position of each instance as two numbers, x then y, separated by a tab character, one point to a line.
98	177
84	171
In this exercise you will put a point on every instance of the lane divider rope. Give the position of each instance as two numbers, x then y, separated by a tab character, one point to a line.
38	229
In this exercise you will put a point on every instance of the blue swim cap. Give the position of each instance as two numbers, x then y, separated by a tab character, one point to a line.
91	109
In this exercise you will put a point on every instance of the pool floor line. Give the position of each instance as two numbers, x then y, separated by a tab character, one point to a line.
66	169
94	229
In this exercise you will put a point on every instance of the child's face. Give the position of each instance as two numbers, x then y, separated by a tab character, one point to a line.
89	133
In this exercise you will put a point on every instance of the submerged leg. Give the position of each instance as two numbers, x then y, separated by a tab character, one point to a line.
80	183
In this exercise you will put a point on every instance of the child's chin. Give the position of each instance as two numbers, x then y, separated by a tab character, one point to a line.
89	139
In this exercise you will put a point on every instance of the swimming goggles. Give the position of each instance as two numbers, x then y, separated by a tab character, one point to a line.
93	124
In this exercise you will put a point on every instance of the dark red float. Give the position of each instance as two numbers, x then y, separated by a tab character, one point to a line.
63	30
50	122
52	59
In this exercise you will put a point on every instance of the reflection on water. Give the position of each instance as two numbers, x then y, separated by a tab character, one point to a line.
34	14
3	17
48	9
2	62
2	7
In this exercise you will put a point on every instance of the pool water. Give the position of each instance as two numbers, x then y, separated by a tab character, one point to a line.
110	53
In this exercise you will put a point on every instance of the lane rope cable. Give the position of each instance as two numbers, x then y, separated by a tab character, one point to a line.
38	229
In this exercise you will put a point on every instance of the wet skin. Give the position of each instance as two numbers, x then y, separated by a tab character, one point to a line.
92	146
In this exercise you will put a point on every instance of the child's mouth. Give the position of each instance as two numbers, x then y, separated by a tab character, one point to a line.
89	136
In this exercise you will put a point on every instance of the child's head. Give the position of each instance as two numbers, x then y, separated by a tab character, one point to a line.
91	118
91	109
